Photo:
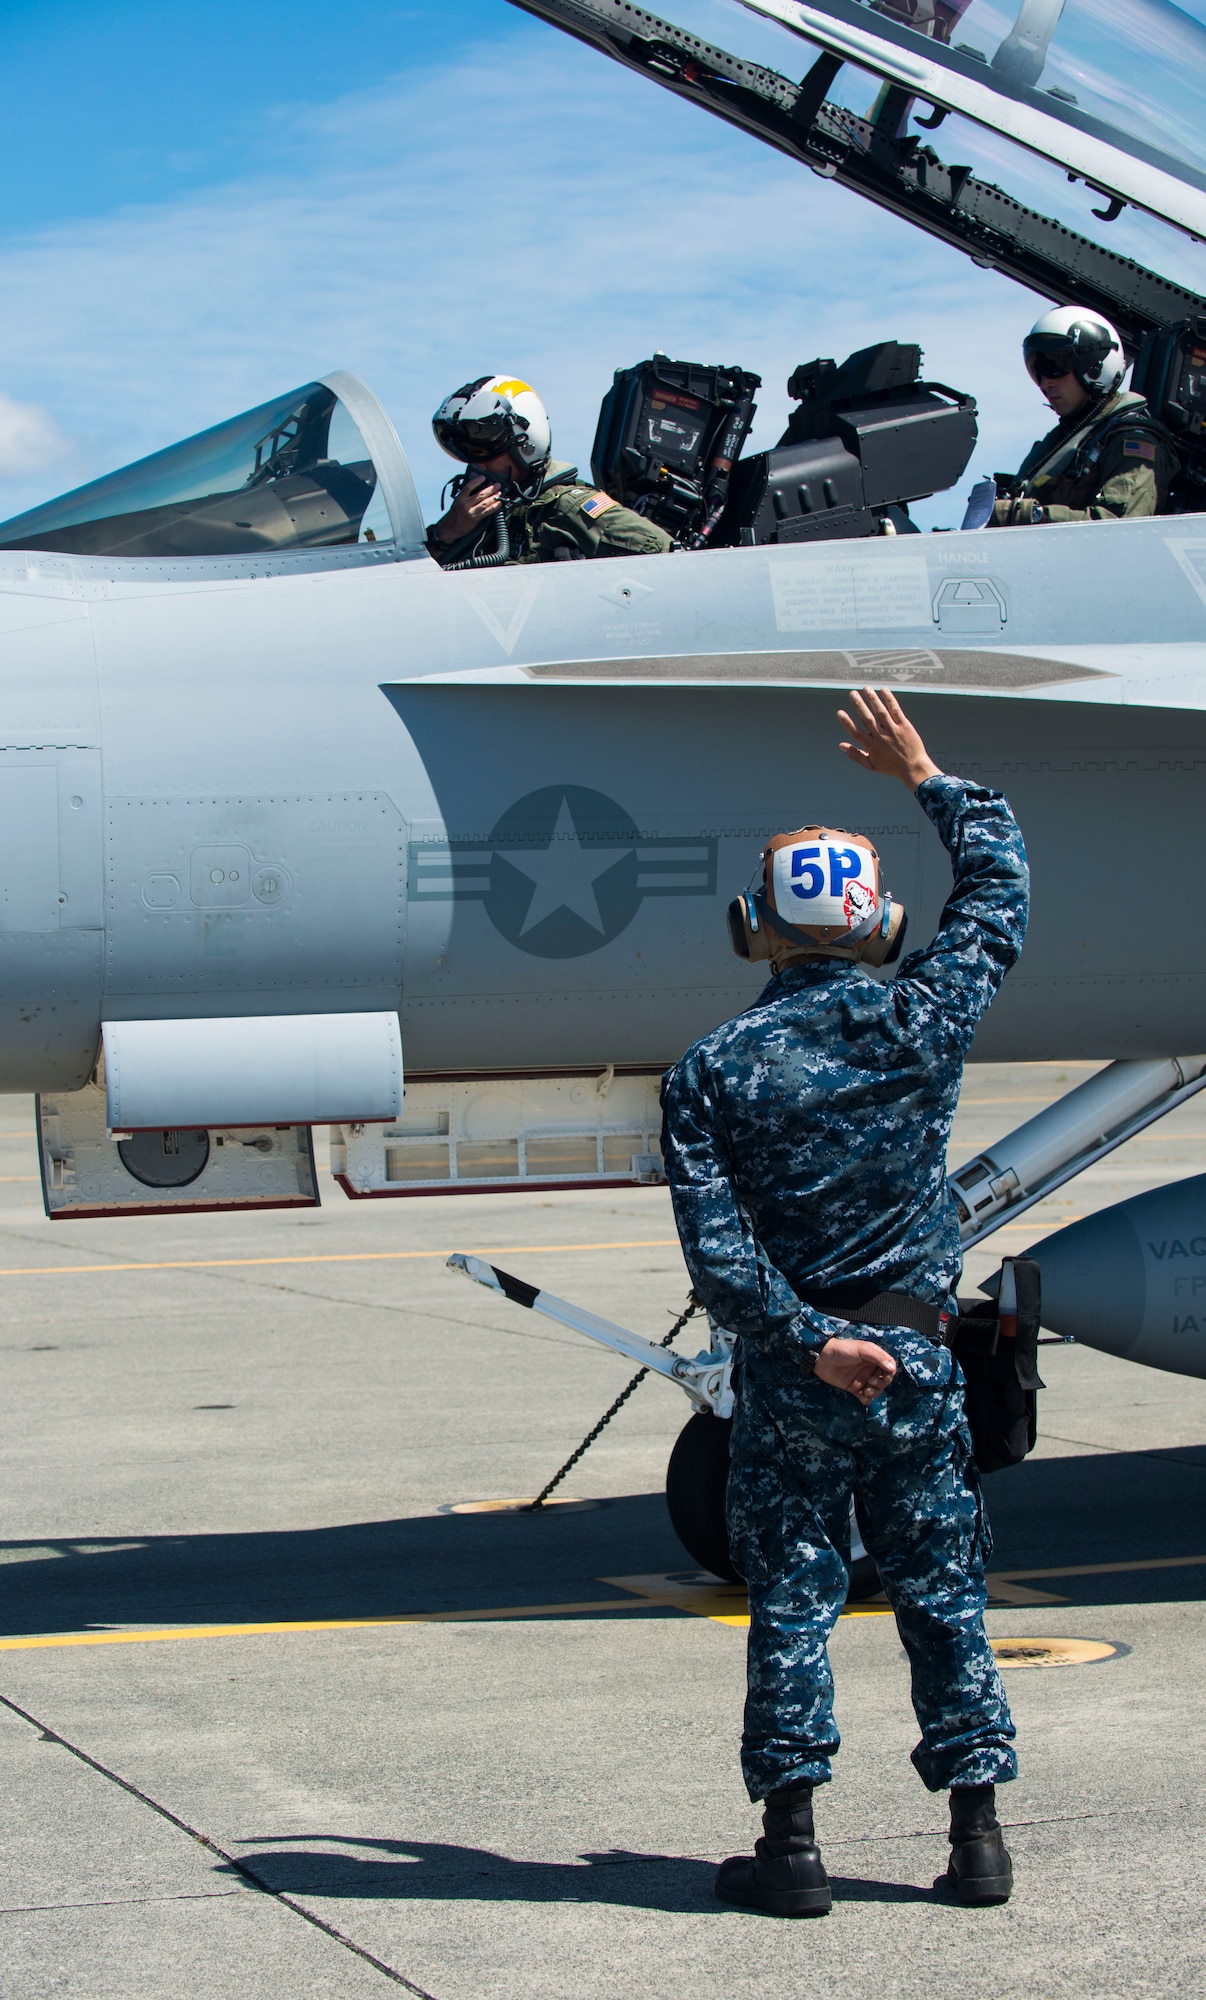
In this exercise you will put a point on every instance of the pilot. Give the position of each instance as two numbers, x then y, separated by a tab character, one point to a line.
1107	458
805	1150
517	504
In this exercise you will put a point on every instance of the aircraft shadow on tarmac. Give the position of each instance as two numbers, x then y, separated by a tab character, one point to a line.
1114	1507
437	1871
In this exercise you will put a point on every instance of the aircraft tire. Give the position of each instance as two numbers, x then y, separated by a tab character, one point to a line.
864	1580
696	1478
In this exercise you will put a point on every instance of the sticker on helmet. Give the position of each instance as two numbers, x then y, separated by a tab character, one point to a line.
825	883
858	903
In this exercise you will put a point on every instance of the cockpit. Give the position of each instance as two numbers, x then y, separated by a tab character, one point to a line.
317	468
1112	91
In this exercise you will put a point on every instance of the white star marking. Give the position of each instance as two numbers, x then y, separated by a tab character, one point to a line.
565	875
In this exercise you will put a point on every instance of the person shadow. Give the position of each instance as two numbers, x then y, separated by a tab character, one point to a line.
402	1870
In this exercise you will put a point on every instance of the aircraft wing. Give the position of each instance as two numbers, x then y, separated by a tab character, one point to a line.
891	168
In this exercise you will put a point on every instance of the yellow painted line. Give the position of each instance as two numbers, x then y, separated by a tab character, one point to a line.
974	1103
702	1595
1001	1591
718	1602
1163	1138
18	1177
369	1256
39	1641
1059	1222
1106	1569
1015	1586
707	1597
338	1257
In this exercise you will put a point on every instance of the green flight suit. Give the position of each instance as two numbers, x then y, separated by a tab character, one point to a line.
1110	464
564	514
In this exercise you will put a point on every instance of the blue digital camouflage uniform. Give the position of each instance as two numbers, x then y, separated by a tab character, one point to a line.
805	1147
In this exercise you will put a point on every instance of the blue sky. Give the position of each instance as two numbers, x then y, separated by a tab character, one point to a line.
204	205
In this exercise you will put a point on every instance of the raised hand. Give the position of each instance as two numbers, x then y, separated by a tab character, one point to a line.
883	739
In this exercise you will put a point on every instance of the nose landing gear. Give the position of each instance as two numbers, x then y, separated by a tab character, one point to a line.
696	1479
697	1476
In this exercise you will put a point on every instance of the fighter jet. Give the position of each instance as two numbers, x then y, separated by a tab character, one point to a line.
298	827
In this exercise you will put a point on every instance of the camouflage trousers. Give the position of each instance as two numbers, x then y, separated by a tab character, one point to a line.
799	1449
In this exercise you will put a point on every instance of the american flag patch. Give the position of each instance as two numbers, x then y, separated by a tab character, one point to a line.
1138	448
597	504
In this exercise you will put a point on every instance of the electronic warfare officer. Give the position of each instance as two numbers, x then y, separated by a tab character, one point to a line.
805	1150
1107	458
517	504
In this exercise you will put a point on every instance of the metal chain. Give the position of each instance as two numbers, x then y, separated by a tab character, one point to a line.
693	1306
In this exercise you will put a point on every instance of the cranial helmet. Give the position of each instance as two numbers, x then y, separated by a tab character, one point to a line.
822	892
492	415
1071	341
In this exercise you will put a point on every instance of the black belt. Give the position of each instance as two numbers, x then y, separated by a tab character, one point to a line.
855	1303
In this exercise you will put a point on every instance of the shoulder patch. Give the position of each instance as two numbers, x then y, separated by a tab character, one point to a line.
1138	447
596	504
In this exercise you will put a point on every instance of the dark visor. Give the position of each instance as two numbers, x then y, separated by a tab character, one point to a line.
1049	356
476	438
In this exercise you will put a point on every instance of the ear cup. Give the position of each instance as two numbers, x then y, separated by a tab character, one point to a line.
749	938
884	949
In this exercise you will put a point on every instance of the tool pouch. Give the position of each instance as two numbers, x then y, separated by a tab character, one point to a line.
995	1342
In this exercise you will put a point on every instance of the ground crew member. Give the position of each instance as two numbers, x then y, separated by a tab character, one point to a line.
1107	458
805	1149
518	504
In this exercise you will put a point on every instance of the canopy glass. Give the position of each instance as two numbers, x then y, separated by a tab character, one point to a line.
1113	90
1137	66
291	474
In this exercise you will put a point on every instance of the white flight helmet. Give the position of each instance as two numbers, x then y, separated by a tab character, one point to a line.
1072	341
496	413
822	893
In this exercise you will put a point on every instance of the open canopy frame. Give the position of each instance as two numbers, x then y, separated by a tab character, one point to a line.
891	167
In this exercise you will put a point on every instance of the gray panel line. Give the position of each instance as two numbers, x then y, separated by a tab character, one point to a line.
242	1868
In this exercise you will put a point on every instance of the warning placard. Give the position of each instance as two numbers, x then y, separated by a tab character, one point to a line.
844	594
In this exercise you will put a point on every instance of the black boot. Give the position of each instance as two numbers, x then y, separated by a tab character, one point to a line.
980	1870
785	1875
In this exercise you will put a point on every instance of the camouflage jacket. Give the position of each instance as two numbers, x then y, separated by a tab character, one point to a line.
805	1140
565	514
1114	464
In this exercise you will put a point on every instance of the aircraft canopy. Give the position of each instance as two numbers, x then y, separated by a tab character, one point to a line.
1113	90
299	472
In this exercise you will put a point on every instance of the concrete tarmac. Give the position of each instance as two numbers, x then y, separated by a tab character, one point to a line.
277	1724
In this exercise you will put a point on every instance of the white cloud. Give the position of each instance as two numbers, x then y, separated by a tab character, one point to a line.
31	442
435	227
